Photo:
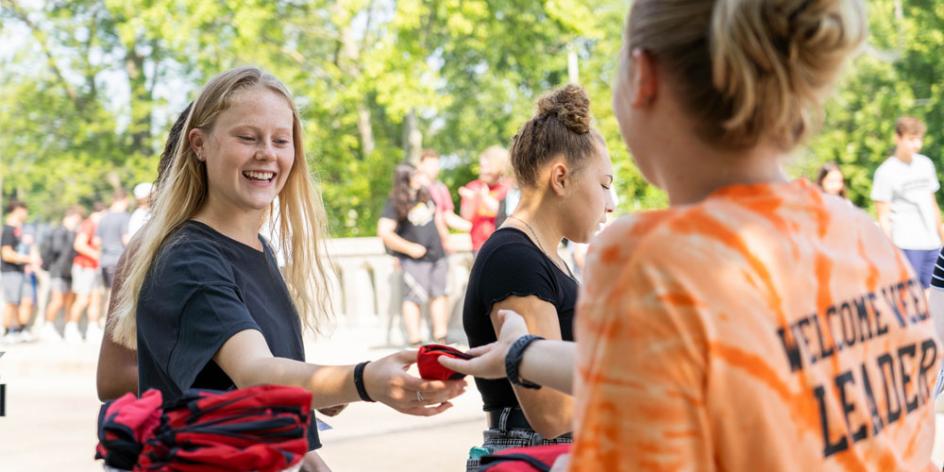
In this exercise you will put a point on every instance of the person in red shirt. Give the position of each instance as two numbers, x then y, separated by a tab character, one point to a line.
481	197
86	279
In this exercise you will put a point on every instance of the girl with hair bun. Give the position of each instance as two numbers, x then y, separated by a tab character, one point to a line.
564	172
756	324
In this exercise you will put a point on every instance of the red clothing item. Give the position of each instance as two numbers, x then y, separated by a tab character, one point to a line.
441	197
475	210
87	228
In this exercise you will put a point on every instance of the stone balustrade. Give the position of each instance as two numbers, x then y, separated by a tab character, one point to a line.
366	290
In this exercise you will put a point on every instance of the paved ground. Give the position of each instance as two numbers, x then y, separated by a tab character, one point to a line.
51	411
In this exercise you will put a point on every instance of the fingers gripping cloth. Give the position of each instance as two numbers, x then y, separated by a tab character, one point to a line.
262	428
429	366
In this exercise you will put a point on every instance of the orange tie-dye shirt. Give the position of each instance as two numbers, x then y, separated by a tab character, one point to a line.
766	328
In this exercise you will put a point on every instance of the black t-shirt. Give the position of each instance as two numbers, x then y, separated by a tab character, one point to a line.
419	227
11	237
510	264
61	252
203	288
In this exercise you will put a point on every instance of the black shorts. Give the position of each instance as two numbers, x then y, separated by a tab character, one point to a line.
108	275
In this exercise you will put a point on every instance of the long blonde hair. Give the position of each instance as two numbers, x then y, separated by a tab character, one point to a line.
749	69
301	224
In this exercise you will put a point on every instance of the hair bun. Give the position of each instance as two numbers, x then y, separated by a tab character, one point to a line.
570	105
773	61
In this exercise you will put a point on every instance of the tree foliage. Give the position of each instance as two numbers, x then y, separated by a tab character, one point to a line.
896	74
88	94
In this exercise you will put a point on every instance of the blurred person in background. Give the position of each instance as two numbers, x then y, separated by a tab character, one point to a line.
13	266
481	197
831	181
112	236
142	210
429	165
58	259
413	229
904	191
86	279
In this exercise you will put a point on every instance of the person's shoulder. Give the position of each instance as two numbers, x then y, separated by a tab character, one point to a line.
924	160
192	241
193	253
508	247
887	165
390	209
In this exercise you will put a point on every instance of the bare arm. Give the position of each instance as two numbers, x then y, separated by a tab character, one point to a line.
83	247
489	204
549	363
117	371
549	412
386	230
883	213
246	359
457	222
443	231
9	255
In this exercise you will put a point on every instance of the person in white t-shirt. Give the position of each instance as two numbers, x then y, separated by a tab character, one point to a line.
903	192
142	194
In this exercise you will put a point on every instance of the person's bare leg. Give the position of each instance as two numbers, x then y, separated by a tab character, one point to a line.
95	307
71	330
411	318
26	311
440	317
56	300
68	299
81	302
9	315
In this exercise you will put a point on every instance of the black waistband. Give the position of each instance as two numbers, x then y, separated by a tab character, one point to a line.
513	419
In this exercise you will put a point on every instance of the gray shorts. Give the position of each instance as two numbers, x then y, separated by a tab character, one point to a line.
60	284
14	287
423	280
85	279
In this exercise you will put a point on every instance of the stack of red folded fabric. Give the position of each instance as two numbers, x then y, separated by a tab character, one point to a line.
262	428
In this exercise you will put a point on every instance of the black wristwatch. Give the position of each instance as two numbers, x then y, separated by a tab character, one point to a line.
513	360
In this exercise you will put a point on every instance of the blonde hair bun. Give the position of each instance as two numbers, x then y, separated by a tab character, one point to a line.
570	105
750	70
774	60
